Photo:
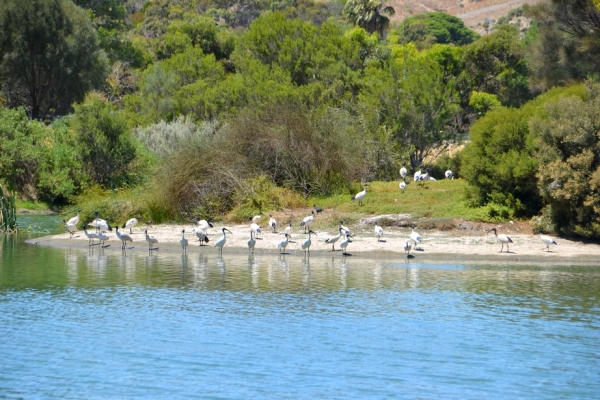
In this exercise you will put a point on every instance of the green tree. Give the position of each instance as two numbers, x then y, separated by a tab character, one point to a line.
369	14
568	42
104	142
569	150
437	27
49	55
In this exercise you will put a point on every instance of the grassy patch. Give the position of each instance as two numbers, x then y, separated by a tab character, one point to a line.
31	205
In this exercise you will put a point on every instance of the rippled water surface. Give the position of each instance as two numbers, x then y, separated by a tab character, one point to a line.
79	323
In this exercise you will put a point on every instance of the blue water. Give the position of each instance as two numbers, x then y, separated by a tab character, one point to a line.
79	323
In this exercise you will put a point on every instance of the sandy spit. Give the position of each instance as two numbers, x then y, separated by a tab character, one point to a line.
436	246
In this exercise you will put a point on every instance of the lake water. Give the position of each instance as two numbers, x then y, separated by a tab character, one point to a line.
79	323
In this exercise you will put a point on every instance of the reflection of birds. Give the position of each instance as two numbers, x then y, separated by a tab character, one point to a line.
283	244
123	237
407	247
378	231
548	241
344	243
502	238
415	236
183	241
251	242
221	242
150	239
130	224
72	228
308	242
307	221
334	239
91	236
402	185
361	195
272	223
317	209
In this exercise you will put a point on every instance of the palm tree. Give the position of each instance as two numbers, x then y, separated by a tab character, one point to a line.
369	14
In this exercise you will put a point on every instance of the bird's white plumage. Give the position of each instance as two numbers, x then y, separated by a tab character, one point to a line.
402	185
448	174
307	243
502	238
251	242
334	239
548	241
415	237
344	243
307	221
407	246
123	237
361	195
272	223
91	236
74	220
289	229
130	224
102	237
221	242
417	175
378	231
183	241
71	228
403	172
283	244
150	239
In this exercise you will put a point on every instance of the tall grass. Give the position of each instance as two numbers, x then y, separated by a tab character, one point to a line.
8	212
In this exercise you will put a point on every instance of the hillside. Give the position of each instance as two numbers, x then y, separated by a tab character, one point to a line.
473	13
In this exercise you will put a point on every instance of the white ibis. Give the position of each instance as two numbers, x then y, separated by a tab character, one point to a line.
255	228
417	175
91	236
100	224
103	237
130	224
151	240
307	221
221	242
415	236
306	244
74	220
361	195
378	231
448	174
283	244
289	229
344	243
547	241
251	242
344	228
123	237
402	185
183	241
502	238
203	224
334	239
403	171
257	217
72	228
407	247
201	235
272	223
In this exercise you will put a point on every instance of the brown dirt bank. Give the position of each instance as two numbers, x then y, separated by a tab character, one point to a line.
466	243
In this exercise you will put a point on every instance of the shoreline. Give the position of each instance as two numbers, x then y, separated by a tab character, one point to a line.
436	246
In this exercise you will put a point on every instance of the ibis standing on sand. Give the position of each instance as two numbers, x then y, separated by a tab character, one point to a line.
151	240
91	236
183	241
307	221
203	224
547	241
334	239
72	228
130	224
74	220
361	195
221	242
317	209
415	236
201	235
344	228
344	243
308	242
378	232
288	229
123	237
272	224
407	247
502	238
103	237
251	242
283	244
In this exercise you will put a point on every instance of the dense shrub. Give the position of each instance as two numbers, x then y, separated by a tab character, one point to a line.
569	150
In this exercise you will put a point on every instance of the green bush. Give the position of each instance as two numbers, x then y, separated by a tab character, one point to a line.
569	150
